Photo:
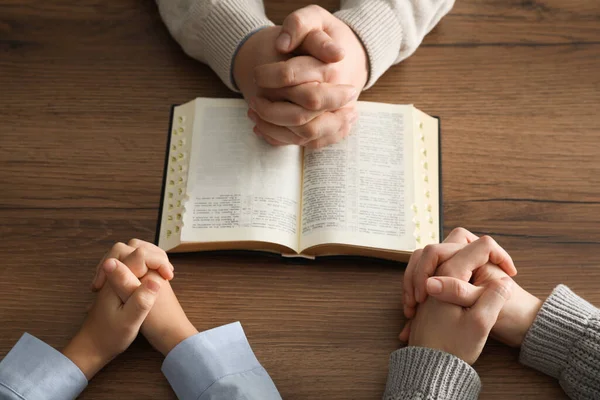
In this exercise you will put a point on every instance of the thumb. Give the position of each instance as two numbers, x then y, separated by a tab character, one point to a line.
141	302
454	291
120	278
309	23
484	313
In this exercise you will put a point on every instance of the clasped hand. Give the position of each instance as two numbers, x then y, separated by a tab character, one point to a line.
458	292
134	294
302	79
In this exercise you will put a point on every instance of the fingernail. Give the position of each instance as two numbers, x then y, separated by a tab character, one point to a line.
406	298
417	294
257	132
434	286
252	103
153	286
110	266
283	41
354	117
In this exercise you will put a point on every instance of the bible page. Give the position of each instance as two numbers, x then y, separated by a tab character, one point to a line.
239	187
359	191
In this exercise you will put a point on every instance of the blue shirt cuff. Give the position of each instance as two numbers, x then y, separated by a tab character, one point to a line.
35	370
219	364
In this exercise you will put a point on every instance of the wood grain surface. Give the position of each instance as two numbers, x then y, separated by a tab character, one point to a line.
85	91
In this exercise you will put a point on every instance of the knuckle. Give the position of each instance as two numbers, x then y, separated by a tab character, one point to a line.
143	302
488	241
459	290
134	242
310	131
315	8
287	75
417	254
141	252
460	231
119	246
314	101
429	251
300	119
294	21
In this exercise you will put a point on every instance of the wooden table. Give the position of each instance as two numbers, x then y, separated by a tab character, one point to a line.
85	90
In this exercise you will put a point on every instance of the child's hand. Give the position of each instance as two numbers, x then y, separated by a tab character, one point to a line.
139	261
456	330
111	324
166	325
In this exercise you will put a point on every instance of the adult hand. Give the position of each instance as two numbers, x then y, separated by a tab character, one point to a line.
167	324
477	257
304	114
457	256
112	324
331	57
514	320
457	330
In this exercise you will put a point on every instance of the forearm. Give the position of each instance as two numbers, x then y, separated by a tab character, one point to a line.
423	373
391	30
218	364
211	31
564	342
32	370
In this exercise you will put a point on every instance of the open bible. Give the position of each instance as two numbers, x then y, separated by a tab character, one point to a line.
376	193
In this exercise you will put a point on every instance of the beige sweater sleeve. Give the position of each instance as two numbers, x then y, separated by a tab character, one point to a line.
212	30
391	30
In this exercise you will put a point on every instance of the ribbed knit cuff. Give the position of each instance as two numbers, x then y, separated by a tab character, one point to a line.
214	32
420	372
377	26
564	338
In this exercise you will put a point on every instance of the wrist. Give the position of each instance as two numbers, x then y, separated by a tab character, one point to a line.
530	308
362	63
85	355
173	336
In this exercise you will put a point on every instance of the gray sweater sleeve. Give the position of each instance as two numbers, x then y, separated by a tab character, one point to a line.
564	342
211	31
420	373
391	30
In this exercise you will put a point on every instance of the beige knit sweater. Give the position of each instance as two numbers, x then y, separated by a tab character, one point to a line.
211	30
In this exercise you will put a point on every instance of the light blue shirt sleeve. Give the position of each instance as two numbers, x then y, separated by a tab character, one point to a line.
33	370
218	365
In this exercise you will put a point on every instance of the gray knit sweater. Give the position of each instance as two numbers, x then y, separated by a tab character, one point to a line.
211	30
563	342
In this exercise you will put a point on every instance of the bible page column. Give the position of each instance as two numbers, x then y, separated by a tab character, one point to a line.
359	191
239	187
